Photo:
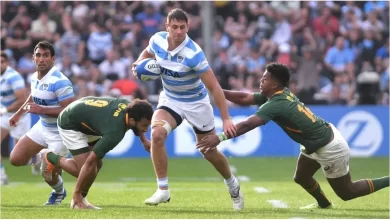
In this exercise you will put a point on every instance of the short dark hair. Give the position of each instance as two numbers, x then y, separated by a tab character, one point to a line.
4	55
280	72
139	109
178	15
45	45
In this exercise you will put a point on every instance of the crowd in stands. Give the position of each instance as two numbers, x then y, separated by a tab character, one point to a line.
338	51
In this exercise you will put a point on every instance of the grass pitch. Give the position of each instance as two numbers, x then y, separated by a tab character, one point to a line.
197	191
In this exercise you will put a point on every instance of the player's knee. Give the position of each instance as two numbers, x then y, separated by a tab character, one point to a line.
158	135
16	160
298	179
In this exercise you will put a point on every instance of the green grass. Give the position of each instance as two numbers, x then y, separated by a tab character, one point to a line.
123	185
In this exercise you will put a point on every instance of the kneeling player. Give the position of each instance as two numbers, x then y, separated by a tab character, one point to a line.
321	143
105	119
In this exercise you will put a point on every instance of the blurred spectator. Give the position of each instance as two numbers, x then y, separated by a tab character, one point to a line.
326	23
150	19
338	57
331	47
99	42
43	28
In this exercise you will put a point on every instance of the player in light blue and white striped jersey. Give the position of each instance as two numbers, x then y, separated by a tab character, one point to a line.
13	95
51	92
186	77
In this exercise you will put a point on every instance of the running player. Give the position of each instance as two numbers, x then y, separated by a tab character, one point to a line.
13	95
186	76
51	92
322	145
95	118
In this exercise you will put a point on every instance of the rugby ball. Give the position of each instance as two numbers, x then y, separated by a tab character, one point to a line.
148	69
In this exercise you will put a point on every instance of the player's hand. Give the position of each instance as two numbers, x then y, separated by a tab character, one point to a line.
208	143
229	128
34	108
133	69
146	143
14	120
78	201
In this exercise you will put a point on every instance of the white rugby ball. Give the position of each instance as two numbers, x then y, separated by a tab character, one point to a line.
148	69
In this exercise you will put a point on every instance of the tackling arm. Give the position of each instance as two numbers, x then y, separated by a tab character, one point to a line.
249	124
240	98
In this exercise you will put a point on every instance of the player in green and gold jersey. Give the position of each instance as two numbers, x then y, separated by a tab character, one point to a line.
321	143
104	120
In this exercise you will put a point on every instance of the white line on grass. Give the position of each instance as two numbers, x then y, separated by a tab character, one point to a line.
243	178
147	179
113	186
233	169
278	204
260	189
174	189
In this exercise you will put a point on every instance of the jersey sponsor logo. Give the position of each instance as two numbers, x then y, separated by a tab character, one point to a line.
363	132
244	145
170	73
121	106
39	101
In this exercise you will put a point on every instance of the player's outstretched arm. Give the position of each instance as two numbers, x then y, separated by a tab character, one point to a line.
208	78
211	141
86	177
244	98
240	98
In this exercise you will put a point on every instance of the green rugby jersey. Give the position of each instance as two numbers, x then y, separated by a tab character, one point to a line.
299	123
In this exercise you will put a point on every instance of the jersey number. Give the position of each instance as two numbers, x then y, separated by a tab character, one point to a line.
307	112
96	103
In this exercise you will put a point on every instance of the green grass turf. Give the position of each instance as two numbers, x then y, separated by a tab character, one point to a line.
197	191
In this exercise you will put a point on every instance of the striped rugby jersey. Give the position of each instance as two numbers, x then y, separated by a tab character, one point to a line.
10	81
49	91
181	68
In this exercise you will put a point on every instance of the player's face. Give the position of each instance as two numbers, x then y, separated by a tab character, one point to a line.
4	65
141	126
266	83
43	59
177	30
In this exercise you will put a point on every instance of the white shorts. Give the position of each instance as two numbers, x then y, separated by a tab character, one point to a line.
21	129
199	114
48	138
74	140
333	157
